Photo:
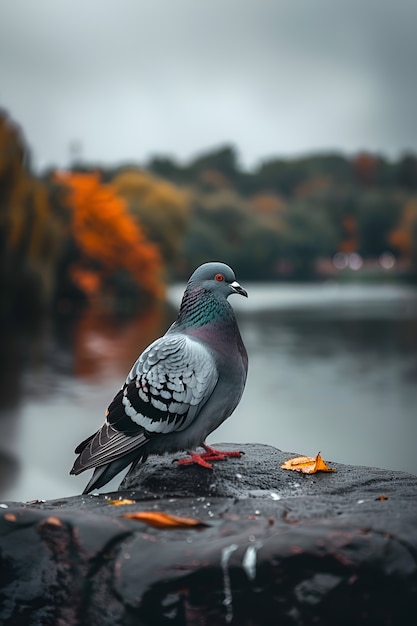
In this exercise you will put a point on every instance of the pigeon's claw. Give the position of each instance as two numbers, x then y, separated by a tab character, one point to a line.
210	454
198	459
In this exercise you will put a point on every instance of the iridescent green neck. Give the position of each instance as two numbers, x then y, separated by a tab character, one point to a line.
200	307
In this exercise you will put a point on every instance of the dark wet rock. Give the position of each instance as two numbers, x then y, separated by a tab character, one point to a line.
277	548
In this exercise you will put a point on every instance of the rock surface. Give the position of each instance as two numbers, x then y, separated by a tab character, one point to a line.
276	547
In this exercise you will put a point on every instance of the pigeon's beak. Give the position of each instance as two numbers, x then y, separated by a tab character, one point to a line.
238	289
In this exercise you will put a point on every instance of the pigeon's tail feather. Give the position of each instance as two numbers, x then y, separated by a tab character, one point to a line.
104	473
98	478
84	444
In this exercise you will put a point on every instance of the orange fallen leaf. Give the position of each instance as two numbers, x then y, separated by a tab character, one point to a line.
307	464
382	497
120	502
163	520
52	521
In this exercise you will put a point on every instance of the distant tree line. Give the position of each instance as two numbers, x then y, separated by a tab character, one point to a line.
276	221
119	234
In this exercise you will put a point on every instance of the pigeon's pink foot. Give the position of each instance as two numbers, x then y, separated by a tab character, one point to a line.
218	455
210	454
197	459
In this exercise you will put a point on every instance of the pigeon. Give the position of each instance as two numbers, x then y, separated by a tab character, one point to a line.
180	389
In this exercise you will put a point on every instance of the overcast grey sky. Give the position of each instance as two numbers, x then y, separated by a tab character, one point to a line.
133	78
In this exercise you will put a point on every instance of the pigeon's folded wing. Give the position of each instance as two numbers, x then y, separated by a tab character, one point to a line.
163	393
167	386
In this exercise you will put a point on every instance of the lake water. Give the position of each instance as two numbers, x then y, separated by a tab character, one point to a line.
333	368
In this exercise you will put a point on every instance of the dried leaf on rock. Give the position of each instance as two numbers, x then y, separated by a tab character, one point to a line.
307	465
52	521
164	520
120	502
382	497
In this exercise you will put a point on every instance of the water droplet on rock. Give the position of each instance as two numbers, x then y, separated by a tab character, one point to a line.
275	496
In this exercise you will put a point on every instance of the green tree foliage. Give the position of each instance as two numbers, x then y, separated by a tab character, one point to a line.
224	226
310	235
291	212
262	241
286	175
223	161
377	215
167	168
288	213
407	171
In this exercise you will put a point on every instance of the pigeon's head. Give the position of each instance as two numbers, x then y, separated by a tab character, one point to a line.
217	278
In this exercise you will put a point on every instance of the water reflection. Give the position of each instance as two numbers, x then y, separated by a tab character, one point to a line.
335	378
62	379
330	369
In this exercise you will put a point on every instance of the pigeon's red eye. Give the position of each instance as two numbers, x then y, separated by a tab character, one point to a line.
219	277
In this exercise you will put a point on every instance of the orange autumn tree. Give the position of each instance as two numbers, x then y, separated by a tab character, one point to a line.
160	207
108	238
